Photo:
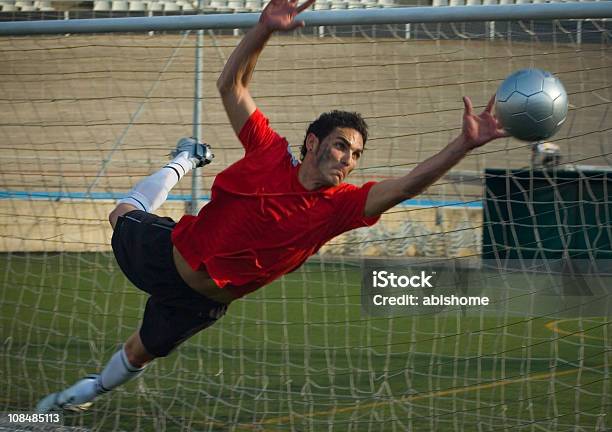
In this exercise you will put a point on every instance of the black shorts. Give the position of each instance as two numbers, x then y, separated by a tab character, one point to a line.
143	247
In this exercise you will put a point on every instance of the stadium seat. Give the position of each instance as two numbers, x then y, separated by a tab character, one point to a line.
119	5
457	2
253	5
322	5
136	6
20	4
386	3
356	4
170	6
155	6
8	6
102	5
43	5
473	2
489	2
368	4
236	5
186	5
220	6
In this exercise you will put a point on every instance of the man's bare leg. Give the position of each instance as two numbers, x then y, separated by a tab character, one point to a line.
120	210
136	352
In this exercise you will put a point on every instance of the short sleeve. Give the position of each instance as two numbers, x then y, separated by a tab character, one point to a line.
350	205
256	134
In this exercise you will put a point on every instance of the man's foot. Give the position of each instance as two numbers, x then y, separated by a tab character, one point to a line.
77	398
200	154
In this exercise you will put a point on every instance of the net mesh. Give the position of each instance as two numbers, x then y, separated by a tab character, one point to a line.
85	117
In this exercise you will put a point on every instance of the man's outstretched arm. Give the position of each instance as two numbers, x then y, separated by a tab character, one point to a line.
477	130
233	84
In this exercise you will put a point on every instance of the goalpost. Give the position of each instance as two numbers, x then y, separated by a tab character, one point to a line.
84	116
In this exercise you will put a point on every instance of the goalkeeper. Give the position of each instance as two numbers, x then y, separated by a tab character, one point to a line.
267	214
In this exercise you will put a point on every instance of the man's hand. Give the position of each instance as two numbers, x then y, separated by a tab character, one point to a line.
280	14
480	129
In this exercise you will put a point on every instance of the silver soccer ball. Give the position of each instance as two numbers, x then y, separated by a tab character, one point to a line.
531	104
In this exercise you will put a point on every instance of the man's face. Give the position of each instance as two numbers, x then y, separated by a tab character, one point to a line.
337	155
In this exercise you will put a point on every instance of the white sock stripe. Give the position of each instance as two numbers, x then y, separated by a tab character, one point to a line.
182	167
133	201
183	159
178	174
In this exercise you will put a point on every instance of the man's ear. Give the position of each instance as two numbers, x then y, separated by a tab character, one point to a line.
312	142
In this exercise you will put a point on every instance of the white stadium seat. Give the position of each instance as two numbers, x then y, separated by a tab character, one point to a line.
102	5
356	4
185	5
20	4
155	6
386	3
489	2
322	5
136	6
220	6
171	7
457	2
368	4
40	4
236	5
254	5
8	6
473	2
120	5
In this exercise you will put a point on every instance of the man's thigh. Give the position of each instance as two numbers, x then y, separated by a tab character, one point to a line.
164	327
118	211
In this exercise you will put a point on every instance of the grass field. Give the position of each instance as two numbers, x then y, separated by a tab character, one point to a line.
297	355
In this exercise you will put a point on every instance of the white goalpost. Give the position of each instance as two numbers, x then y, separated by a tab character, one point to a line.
88	107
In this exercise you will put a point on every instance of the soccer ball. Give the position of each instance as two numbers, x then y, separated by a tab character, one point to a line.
531	104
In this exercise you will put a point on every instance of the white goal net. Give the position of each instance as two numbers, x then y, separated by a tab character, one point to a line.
83	117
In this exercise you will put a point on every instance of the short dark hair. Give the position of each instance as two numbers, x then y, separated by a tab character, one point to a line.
329	121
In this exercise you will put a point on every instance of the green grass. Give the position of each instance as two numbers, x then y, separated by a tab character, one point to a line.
297	355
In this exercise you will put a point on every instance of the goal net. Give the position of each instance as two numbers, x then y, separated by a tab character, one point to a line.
84	117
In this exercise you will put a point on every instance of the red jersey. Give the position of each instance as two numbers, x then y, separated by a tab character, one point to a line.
260	222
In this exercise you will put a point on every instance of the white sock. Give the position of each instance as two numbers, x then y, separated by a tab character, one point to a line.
149	194
118	371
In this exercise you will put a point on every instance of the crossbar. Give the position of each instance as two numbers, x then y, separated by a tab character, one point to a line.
402	15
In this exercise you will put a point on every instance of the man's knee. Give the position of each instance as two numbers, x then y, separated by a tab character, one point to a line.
119	210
